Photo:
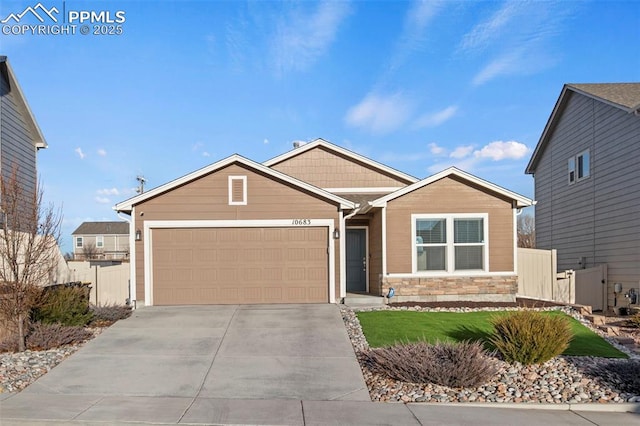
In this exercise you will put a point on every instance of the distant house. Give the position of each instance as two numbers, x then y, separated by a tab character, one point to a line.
316	223
20	135
587	181
101	240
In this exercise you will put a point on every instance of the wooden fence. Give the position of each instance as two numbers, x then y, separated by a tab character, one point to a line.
109	283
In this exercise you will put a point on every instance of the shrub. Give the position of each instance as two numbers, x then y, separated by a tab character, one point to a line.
465	364
66	305
530	337
623	375
634	321
108	314
43	337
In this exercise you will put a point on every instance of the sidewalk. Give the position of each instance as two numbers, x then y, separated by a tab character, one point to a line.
49	409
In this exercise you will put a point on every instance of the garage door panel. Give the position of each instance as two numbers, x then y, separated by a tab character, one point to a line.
240	265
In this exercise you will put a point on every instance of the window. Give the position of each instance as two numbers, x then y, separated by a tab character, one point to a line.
78	242
99	241
572	170
579	167
450	243
237	190
583	165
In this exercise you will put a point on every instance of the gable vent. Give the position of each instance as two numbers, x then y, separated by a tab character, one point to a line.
237	190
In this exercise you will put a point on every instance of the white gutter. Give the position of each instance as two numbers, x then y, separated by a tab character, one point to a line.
132	258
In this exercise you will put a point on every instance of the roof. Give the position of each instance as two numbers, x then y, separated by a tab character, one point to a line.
624	96
127	205
8	74
521	200
344	152
102	228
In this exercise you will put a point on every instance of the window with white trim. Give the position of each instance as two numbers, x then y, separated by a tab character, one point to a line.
579	167
79	242
450	243
99	241
237	190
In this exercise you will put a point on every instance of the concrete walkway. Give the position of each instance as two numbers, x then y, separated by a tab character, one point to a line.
278	365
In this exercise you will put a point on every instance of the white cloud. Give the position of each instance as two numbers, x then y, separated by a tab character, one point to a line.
379	114
436	118
461	151
265	141
301	38
206	154
102	200
102	152
435	149
81	154
491	29
108	191
507	64
499	150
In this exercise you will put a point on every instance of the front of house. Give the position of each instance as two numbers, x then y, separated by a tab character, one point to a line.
315	223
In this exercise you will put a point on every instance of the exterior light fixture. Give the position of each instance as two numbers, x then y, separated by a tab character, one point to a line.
138	235
336	234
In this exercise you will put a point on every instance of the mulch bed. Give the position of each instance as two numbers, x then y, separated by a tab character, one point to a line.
520	302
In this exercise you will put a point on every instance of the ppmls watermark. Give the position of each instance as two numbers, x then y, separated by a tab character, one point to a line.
41	20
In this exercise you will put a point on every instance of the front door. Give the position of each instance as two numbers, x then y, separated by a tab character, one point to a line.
356	260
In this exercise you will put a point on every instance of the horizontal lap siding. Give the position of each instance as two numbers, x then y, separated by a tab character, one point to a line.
329	170
207	199
597	218
17	148
449	195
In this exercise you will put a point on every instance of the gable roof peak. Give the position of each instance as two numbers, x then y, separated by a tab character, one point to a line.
319	142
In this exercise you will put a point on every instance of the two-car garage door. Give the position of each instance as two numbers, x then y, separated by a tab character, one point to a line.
239	265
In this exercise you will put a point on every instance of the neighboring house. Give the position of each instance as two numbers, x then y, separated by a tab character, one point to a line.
315	223
20	135
587	181
101	240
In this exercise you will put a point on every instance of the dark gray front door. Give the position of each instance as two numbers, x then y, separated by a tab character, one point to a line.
357	260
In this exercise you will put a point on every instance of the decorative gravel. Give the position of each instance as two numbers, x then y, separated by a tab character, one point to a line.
18	370
563	379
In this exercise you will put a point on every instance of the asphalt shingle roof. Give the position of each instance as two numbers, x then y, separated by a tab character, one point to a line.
102	228
624	94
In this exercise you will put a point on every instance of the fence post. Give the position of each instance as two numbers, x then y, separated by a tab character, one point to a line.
554	274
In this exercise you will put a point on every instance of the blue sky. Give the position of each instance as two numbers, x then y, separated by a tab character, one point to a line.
419	86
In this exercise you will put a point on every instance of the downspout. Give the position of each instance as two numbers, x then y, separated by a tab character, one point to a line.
131	301
343	251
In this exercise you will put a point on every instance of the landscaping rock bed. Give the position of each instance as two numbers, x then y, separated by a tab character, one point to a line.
561	380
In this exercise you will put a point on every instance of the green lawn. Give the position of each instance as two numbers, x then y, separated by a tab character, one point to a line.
384	328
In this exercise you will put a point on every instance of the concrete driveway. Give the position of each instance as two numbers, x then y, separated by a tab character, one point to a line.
254	352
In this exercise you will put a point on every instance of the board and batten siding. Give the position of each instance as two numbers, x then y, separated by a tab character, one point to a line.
206	198
326	169
597	218
449	195
17	148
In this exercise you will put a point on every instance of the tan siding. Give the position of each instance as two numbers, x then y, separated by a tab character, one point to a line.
207	199
449	195
329	170
375	253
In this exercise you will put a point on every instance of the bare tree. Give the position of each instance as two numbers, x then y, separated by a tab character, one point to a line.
29	237
526	231
89	250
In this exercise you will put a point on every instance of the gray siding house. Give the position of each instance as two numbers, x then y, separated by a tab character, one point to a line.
101	240
20	135
586	168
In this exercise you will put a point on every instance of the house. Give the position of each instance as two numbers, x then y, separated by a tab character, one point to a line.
20	135
587	182
315	223
101	240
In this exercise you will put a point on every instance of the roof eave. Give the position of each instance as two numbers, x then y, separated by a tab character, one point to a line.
39	141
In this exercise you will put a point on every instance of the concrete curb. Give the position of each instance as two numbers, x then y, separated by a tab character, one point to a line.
622	407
